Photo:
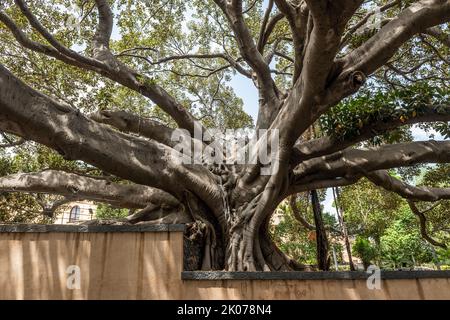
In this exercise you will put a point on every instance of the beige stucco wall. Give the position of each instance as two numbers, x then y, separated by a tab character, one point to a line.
87	212
148	266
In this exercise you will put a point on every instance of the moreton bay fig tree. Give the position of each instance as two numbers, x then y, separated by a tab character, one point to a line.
126	93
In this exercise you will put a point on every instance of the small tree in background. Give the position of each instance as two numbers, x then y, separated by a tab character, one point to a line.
364	250
402	245
105	212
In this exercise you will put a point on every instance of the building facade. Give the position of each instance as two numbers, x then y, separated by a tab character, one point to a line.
75	212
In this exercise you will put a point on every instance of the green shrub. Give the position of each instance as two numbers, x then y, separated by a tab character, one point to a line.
364	250
105	212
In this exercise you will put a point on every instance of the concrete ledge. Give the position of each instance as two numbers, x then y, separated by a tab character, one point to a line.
308	275
42	228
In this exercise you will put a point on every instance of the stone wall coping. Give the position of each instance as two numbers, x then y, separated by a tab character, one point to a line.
43	228
311	275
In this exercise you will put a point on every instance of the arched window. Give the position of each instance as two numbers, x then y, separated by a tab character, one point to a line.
74	214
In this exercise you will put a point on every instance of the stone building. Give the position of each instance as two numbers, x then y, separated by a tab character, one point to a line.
77	211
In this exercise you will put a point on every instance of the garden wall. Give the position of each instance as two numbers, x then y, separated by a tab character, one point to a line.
137	262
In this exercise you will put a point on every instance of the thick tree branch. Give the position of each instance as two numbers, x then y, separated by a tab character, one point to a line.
109	67
302	106
49	209
356	162
303	186
298	216
39	47
74	186
33	116
270	27
364	20
128	122
423	225
298	18
382	46
249	51
383	179
351	71
327	145
267	26
154	214
262	31
34	22
104	28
